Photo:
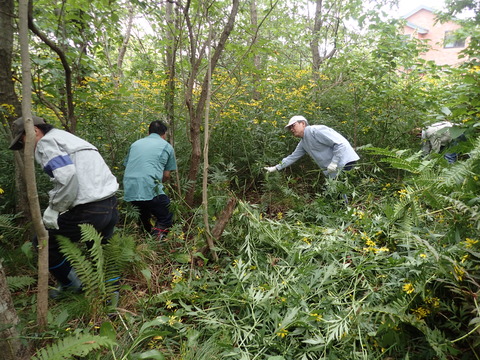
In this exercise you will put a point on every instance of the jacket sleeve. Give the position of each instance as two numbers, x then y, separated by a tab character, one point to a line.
293	157
62	171
333	140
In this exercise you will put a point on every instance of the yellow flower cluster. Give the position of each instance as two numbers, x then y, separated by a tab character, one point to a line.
170	304
372	245
421	312
402	193
282	332
316	316
172	320
306	241
468	242
408	288
459	272
177	276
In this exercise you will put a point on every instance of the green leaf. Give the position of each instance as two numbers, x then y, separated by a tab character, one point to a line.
107	330
182	258
446	111
150	354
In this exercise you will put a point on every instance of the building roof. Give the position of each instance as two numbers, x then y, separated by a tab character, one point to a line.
421	7
419	29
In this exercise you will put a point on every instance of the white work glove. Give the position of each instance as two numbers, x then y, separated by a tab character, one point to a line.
270	168
50	218
332	167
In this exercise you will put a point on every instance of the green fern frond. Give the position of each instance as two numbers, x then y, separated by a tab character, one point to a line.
94	239
79	345
460	206
402	164
83	267
385	152
455	175
399	159
101	265
19	282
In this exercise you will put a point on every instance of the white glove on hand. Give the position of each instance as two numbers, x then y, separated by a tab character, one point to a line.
332	167
50	218
270	168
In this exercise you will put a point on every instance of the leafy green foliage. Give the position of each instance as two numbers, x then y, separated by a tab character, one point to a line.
16	283
101	267
77	345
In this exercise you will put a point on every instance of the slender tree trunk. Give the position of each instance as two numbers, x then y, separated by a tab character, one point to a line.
170	66
11	347
125	42
330	38
256	57
9	97
69	121
42	234
196	111
206	134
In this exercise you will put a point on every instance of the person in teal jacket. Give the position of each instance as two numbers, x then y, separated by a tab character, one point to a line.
329	149
148	165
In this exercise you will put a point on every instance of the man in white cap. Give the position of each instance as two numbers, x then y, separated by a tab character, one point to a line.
329	149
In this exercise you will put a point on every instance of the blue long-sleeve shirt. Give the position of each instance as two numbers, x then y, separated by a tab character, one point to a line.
324	145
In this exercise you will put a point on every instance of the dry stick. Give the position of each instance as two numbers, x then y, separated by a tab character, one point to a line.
222	221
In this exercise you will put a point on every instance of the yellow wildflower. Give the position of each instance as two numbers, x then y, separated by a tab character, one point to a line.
421	312
408	288
470	242
316	316
282	333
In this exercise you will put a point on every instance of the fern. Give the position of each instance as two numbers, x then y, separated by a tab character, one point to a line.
101	265
399	159
19	282
79	345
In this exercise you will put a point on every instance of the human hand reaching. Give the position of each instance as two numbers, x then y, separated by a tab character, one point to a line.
332	167
270	168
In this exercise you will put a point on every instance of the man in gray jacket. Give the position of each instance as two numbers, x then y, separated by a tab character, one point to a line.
83	191
330	150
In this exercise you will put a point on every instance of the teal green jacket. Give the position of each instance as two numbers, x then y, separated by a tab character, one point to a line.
145	163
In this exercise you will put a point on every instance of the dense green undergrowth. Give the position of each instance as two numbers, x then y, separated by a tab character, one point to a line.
390	274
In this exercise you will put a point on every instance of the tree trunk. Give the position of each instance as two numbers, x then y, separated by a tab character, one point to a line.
11	347
42	234
222	221
196	111
10	98
68	119
317	58
125	42
256	57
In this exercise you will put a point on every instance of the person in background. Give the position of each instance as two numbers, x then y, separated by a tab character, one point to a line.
83	192
330	150
148	165
437	138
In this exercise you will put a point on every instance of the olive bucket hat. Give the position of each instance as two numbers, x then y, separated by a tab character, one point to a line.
19	129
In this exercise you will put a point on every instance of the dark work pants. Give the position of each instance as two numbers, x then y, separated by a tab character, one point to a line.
159	207
103	215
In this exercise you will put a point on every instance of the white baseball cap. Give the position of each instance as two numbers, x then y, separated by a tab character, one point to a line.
295	119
